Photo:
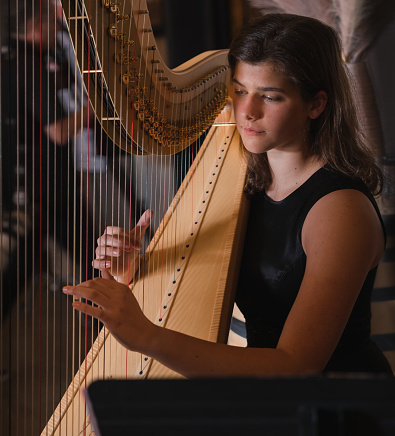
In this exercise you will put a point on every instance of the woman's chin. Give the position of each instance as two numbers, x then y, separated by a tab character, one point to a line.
253	147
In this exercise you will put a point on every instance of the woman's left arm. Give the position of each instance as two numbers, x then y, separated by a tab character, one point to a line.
343	240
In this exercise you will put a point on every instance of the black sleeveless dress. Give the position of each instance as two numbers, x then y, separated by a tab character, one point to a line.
273	266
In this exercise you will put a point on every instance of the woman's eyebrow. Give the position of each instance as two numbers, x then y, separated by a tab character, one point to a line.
237	82
261	88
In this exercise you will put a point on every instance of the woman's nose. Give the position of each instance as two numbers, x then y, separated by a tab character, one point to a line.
251	109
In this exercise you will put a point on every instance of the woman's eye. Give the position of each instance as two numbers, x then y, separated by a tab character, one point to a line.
271	98
239	92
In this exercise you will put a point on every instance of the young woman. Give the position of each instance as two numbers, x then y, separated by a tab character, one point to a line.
314	237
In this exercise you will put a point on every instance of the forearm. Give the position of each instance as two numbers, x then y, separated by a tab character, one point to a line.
193	357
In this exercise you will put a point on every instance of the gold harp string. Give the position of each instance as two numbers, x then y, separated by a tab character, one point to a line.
91	206
103	184
114	205
52	177
160	201
145	160
125	210
74	196
88	163
69	311
102	158
77	321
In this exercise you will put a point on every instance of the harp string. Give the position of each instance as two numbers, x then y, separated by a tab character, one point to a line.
49	200
25	232
2	259
51	239
78	176
120	204
53	69
4	244
40	221
66	49
87	201
144	181
17	211
33	393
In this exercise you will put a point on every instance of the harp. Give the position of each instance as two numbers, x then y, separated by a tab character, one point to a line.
190	268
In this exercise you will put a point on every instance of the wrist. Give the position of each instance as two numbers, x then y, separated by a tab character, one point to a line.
152	340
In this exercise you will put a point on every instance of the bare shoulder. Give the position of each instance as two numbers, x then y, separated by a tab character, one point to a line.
344	222
343	240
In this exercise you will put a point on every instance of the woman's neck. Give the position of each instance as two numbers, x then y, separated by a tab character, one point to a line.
289	171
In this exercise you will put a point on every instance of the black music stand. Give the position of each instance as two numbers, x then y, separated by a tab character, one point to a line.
320	406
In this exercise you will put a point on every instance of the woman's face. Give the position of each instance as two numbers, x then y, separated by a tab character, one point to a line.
270	113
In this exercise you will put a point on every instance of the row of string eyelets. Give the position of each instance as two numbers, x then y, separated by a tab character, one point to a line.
183	257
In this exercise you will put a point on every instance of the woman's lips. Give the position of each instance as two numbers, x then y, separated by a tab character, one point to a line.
252	132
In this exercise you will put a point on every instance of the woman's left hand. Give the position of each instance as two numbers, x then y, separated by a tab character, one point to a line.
116	306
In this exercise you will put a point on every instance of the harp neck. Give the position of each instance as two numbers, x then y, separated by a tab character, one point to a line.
144	106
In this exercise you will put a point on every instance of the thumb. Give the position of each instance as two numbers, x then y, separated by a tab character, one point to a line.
105	273
145	219
137	233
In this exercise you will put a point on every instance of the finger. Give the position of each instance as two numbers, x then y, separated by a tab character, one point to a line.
88	309
105	250
111	233
115	263
115	231
101	263
92	290
113	242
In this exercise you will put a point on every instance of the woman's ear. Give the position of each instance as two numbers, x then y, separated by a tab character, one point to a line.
318	104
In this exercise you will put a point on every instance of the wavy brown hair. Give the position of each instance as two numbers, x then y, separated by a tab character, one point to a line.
308	52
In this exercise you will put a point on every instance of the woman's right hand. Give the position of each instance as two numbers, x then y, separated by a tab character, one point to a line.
118	250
